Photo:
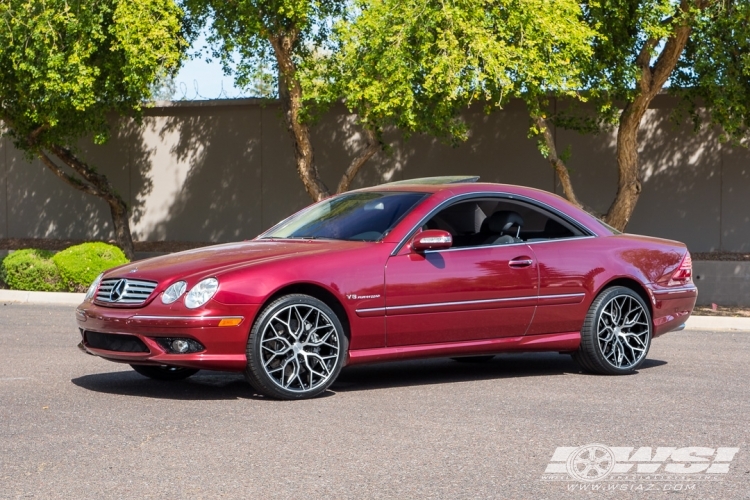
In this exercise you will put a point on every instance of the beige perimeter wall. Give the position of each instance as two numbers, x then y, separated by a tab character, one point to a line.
224	170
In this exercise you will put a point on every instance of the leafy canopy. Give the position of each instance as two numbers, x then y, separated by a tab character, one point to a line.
67	63
240	31
714	70
415	64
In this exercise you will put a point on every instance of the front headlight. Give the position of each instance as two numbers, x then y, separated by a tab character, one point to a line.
201	293
173	292
92	289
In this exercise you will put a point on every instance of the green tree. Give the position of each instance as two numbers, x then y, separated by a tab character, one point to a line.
251	36
415	64
67	64
694	48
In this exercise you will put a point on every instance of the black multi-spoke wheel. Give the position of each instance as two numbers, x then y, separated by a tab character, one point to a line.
296	348
164	372
616	334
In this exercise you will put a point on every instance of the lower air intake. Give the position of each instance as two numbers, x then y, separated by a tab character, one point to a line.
111	342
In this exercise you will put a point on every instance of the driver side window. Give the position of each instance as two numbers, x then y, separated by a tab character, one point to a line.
494	221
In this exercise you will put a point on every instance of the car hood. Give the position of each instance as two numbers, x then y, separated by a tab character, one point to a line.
218	258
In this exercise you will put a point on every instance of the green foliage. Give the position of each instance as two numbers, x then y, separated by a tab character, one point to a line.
79	265
714	70
240	32
66	64
31	269
415	64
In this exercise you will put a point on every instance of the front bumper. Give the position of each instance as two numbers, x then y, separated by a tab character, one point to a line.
225	346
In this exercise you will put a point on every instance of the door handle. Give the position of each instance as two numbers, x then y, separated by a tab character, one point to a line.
520	262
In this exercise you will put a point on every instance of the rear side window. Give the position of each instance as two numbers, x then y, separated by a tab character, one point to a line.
500	221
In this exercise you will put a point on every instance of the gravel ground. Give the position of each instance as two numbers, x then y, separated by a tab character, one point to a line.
76	426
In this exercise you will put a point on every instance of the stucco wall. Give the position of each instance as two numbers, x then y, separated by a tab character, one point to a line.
224	170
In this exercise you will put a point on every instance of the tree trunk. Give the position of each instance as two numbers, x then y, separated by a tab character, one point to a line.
650	83
356	164
290	95
95	184
560	169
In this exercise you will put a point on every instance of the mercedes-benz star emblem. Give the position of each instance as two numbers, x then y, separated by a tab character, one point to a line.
117	290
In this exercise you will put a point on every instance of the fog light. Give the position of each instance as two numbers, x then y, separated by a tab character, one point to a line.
181	346
173	345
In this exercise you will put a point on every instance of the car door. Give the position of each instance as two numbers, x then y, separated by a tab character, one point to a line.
459	294
568	269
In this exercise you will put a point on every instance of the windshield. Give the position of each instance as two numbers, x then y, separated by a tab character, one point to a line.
366	216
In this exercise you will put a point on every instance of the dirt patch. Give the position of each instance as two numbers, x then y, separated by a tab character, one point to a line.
735	312
720	256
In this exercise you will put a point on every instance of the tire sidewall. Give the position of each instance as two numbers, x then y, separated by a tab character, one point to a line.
255	372
600	303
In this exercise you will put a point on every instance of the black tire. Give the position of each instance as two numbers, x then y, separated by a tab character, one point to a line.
302	369
601	353
475	359
165	372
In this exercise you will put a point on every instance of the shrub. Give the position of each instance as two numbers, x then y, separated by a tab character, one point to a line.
31	269
79	265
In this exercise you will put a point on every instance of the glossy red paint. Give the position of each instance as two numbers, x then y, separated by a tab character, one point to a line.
398	303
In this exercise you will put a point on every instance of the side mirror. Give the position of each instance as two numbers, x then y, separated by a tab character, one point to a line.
432	239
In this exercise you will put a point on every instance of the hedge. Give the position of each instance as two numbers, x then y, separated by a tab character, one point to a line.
79	265
31	269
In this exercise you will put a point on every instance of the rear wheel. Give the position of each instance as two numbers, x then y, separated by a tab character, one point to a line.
164	372
474	359
296	348
616	334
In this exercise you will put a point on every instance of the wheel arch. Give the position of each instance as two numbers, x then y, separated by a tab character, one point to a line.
320	293
633	285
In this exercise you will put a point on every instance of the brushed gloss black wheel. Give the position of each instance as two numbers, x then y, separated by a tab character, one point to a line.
616	334
296	348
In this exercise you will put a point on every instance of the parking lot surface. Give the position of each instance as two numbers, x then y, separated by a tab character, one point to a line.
76	426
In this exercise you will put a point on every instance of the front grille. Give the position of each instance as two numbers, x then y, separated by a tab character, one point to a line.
111	342
124	291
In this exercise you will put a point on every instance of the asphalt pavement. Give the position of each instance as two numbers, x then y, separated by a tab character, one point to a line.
76	426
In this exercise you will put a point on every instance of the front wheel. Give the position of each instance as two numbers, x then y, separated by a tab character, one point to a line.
296	348
164	372
616	334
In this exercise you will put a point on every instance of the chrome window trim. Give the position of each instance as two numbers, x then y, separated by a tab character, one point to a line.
467	302
504	245
493	194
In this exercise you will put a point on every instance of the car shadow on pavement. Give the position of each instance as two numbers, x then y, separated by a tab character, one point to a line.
446	371
204	385
211	385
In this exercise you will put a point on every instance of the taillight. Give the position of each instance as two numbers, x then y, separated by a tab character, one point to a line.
683	274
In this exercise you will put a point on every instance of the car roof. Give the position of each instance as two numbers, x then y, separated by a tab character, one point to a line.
460	188
456	184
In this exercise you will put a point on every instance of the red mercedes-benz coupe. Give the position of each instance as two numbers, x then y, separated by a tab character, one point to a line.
424	268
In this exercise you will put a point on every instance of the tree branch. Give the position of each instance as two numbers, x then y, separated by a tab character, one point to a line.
69	179
290	95
562	171
373	145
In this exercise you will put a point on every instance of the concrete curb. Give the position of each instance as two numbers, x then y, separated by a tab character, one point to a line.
24	297
720	323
